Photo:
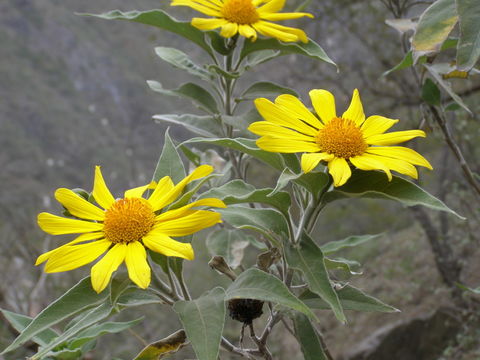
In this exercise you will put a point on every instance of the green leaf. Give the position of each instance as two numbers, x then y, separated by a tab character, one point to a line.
169	163
79	298
238	192
163	348
466	288
408	58
182	61
351	299
308	258
373	184
199	96
436	71
248	147
433	28
308	338
167	262
265	89
259	57
242	122
314	182
350	241
218	42
20	322
310	49
468	50
256	284
101	329
269	222
87	320
431	93
217	70
208	126
134	296
342	264
162	20
229	244
203	320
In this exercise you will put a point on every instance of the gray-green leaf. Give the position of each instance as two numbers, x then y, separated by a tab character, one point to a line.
79	298
468	50
308	258
351	298
203	320
256	284
373	184
182	61
308	338
199	96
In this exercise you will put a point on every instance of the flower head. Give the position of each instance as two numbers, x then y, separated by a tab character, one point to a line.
340	141
246	17
124	228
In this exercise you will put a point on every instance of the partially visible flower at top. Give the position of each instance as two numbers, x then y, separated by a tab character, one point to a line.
125	227
246	17
340	141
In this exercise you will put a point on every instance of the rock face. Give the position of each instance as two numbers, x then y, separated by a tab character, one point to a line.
421	338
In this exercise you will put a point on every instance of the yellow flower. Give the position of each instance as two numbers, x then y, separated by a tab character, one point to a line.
125	227
246	17
340	141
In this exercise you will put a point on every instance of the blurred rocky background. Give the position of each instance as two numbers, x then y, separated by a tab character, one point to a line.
73	95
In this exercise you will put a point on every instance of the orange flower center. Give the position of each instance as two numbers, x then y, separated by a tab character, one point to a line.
241	12
342	138
128	220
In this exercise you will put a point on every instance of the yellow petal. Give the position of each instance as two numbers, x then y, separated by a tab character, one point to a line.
272	6
402	153
137	265
208	24
161	198
229	30
102	195
196	6
274	114
400	166
266	128
367	162
165	245
340	171
72	257
376	125
84	237
57	225
310	161
355	110
78	206
102	271
393	138
248	32
272	144
280	32
186	225
293	105
323	102
173	214
164	186
139	191
284	16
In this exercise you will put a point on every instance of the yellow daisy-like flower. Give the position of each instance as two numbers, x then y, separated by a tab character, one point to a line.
246	17
340	141
125	227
